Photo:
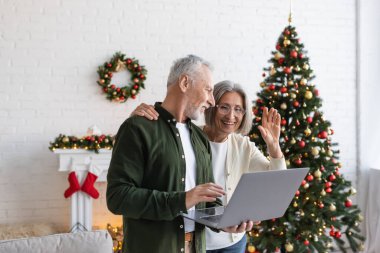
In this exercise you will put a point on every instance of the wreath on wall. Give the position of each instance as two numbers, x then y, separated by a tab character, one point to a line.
118	63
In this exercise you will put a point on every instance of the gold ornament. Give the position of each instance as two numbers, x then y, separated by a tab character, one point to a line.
277	55
272	71
297	68
119	65
292	141
289	247
251	248
323	193
287	163
314	151
105	76
332	207
360	217
292	95
101	81
307	132
262	84
308	94
283	106
133	91
352	191
305	66
303	81
65	139
295	204
330	153
290	82
286	42
317	173
305	186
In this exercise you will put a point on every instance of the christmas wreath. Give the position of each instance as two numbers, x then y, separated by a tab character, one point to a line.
91	142
117	63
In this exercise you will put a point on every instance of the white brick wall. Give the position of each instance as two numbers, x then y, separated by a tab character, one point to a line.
50	51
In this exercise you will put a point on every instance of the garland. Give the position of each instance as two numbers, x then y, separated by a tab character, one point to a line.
92	142
117	63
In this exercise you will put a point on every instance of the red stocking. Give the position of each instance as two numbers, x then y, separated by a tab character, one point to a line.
88	185
74	185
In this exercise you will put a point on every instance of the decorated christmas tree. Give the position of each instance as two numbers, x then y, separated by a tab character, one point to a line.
322	210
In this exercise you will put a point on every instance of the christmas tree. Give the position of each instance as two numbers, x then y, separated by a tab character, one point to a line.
321	211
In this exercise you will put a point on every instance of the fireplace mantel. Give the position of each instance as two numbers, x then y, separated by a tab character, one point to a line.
79	160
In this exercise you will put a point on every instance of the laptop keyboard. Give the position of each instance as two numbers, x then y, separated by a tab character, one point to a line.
213	218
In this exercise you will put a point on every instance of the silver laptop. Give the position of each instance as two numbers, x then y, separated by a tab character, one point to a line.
258	196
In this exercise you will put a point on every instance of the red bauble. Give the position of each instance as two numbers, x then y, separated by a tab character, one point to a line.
310	178
135	86
321	205
301	144
297	193
278	47
309	119
328	184
118	89
122	98
142	76
110	74
133	96
280	61
300	55
129	61
293	54
328	190
105	90
303	182
287	70
316	92
272	87
263	74
337	234
298	161
306	242
332	177
297	122
283	122
296	103
283	89
259	101
322	168
332	232
348	203
109	65
322	135
113	86
287	32
255	111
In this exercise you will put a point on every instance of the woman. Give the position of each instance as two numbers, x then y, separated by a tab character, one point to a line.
232	153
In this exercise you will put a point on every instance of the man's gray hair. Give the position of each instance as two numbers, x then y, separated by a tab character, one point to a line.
188	65
219	90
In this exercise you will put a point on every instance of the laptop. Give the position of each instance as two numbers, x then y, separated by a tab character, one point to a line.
258	196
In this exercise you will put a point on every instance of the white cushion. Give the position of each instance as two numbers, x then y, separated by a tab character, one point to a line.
98	241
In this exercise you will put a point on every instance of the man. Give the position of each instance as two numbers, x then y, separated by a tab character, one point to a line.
162	168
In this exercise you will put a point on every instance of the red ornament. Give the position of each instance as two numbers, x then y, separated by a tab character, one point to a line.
139	68
293	54
118	89
328	184
296	103
303	182
283	89
122	98
309	119
110	74
142	76
287	70
278	47
259	101
133	96
135	86
328	190
300	55
129	61
280	61
332	177
310	178
298	161
283	122
322	135
297	193
321	205
287	32
322	168
332	232
301	144
272	87
109	65
263	74
113	86
316	92
337	234
306	242
255	111
297	122
348	203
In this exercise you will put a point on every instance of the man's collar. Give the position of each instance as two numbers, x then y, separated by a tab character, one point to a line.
167	116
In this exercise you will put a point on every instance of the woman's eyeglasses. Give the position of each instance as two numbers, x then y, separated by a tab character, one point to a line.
226	108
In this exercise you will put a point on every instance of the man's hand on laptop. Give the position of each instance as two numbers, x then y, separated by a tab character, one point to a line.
203	193
243	227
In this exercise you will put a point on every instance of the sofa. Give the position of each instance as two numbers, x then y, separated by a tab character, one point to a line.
98	241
